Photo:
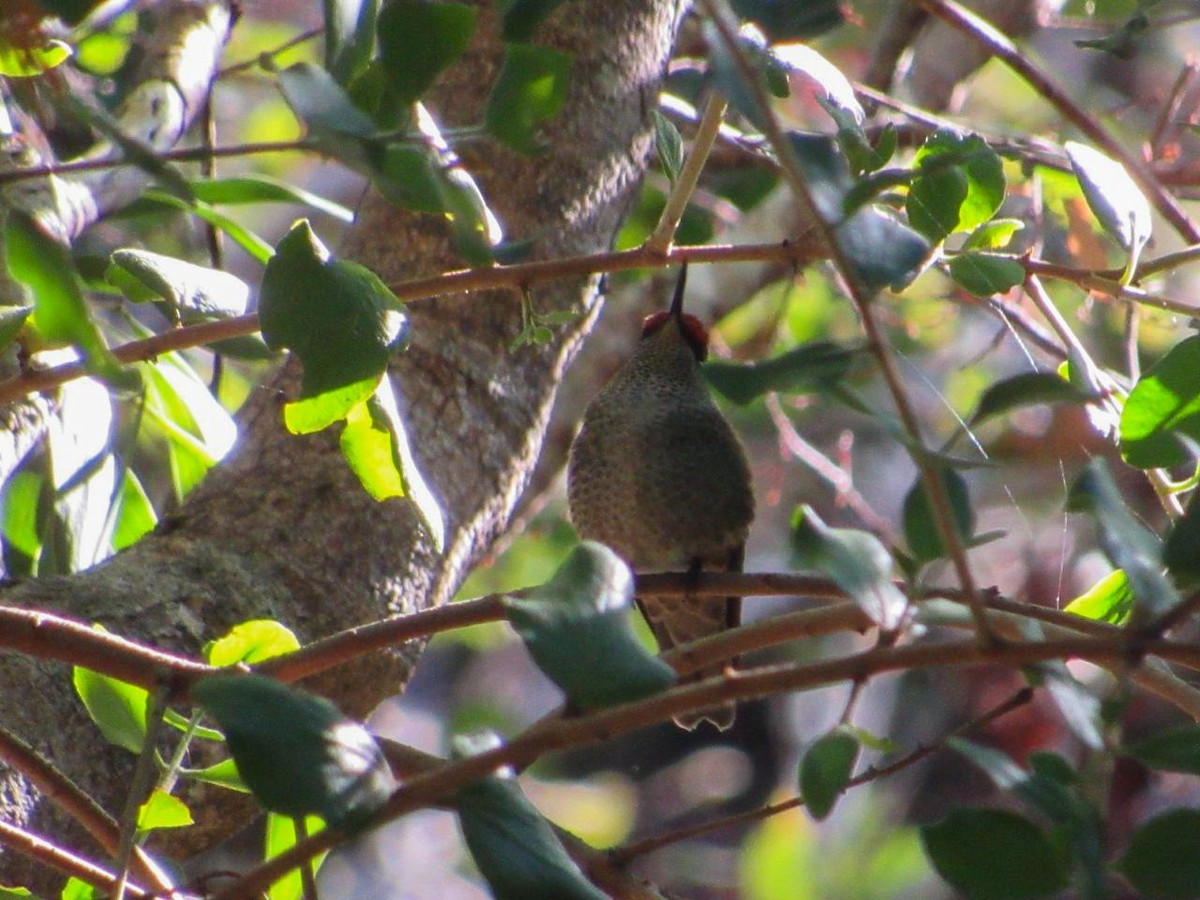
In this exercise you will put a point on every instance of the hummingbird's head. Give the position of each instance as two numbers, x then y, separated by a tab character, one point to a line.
691	329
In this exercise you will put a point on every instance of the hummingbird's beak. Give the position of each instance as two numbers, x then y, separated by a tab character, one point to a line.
676	309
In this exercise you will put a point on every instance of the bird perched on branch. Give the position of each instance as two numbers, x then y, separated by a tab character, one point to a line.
657	474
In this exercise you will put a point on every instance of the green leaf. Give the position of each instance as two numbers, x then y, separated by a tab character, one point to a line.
959	185
163	810
577	629
1161	860
418	39
337	316
328	112
12	320
1173	749
136	517
119	709
376	446
816	366
368	444
256	247
75	889
993	235
514	847
26	62
1108	600
993	854
985	274
668	143
295	751
60	315
223	774
1125	541
920	525
312	414
15	893
251	642
1165	402
411	178
280	837
1080	708
196	292
20	500
349	37
1115	199
826	769
522	17
1026	389
856	560
528	93
791	21
1043	789
263	189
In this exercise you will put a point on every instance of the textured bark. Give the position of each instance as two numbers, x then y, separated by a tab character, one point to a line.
282	529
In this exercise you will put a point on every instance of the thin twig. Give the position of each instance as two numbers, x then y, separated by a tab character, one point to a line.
1002	47
663	235
625	855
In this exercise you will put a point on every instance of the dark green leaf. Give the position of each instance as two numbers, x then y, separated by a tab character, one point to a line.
1181	553
856	560
1165	400
418	39
1162	860
118	708
1109	600
934	200
1174	749
528	93
993	854
1050	796
328	112
837	95
959	185
668	144
985	274
337	316
920	525
782	21
522	17
1125	541
514	848
263	189
1026	389
295	751
60	315
196	292
255	246
880	251
815	366
578	631
349	37
825	770
410	178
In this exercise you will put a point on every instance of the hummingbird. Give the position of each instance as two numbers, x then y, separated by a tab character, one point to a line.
657	474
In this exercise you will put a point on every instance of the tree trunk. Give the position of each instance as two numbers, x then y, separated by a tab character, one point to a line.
281	529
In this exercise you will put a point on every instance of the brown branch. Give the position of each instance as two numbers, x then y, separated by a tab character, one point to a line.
741	686
519	276
43	851
68	796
